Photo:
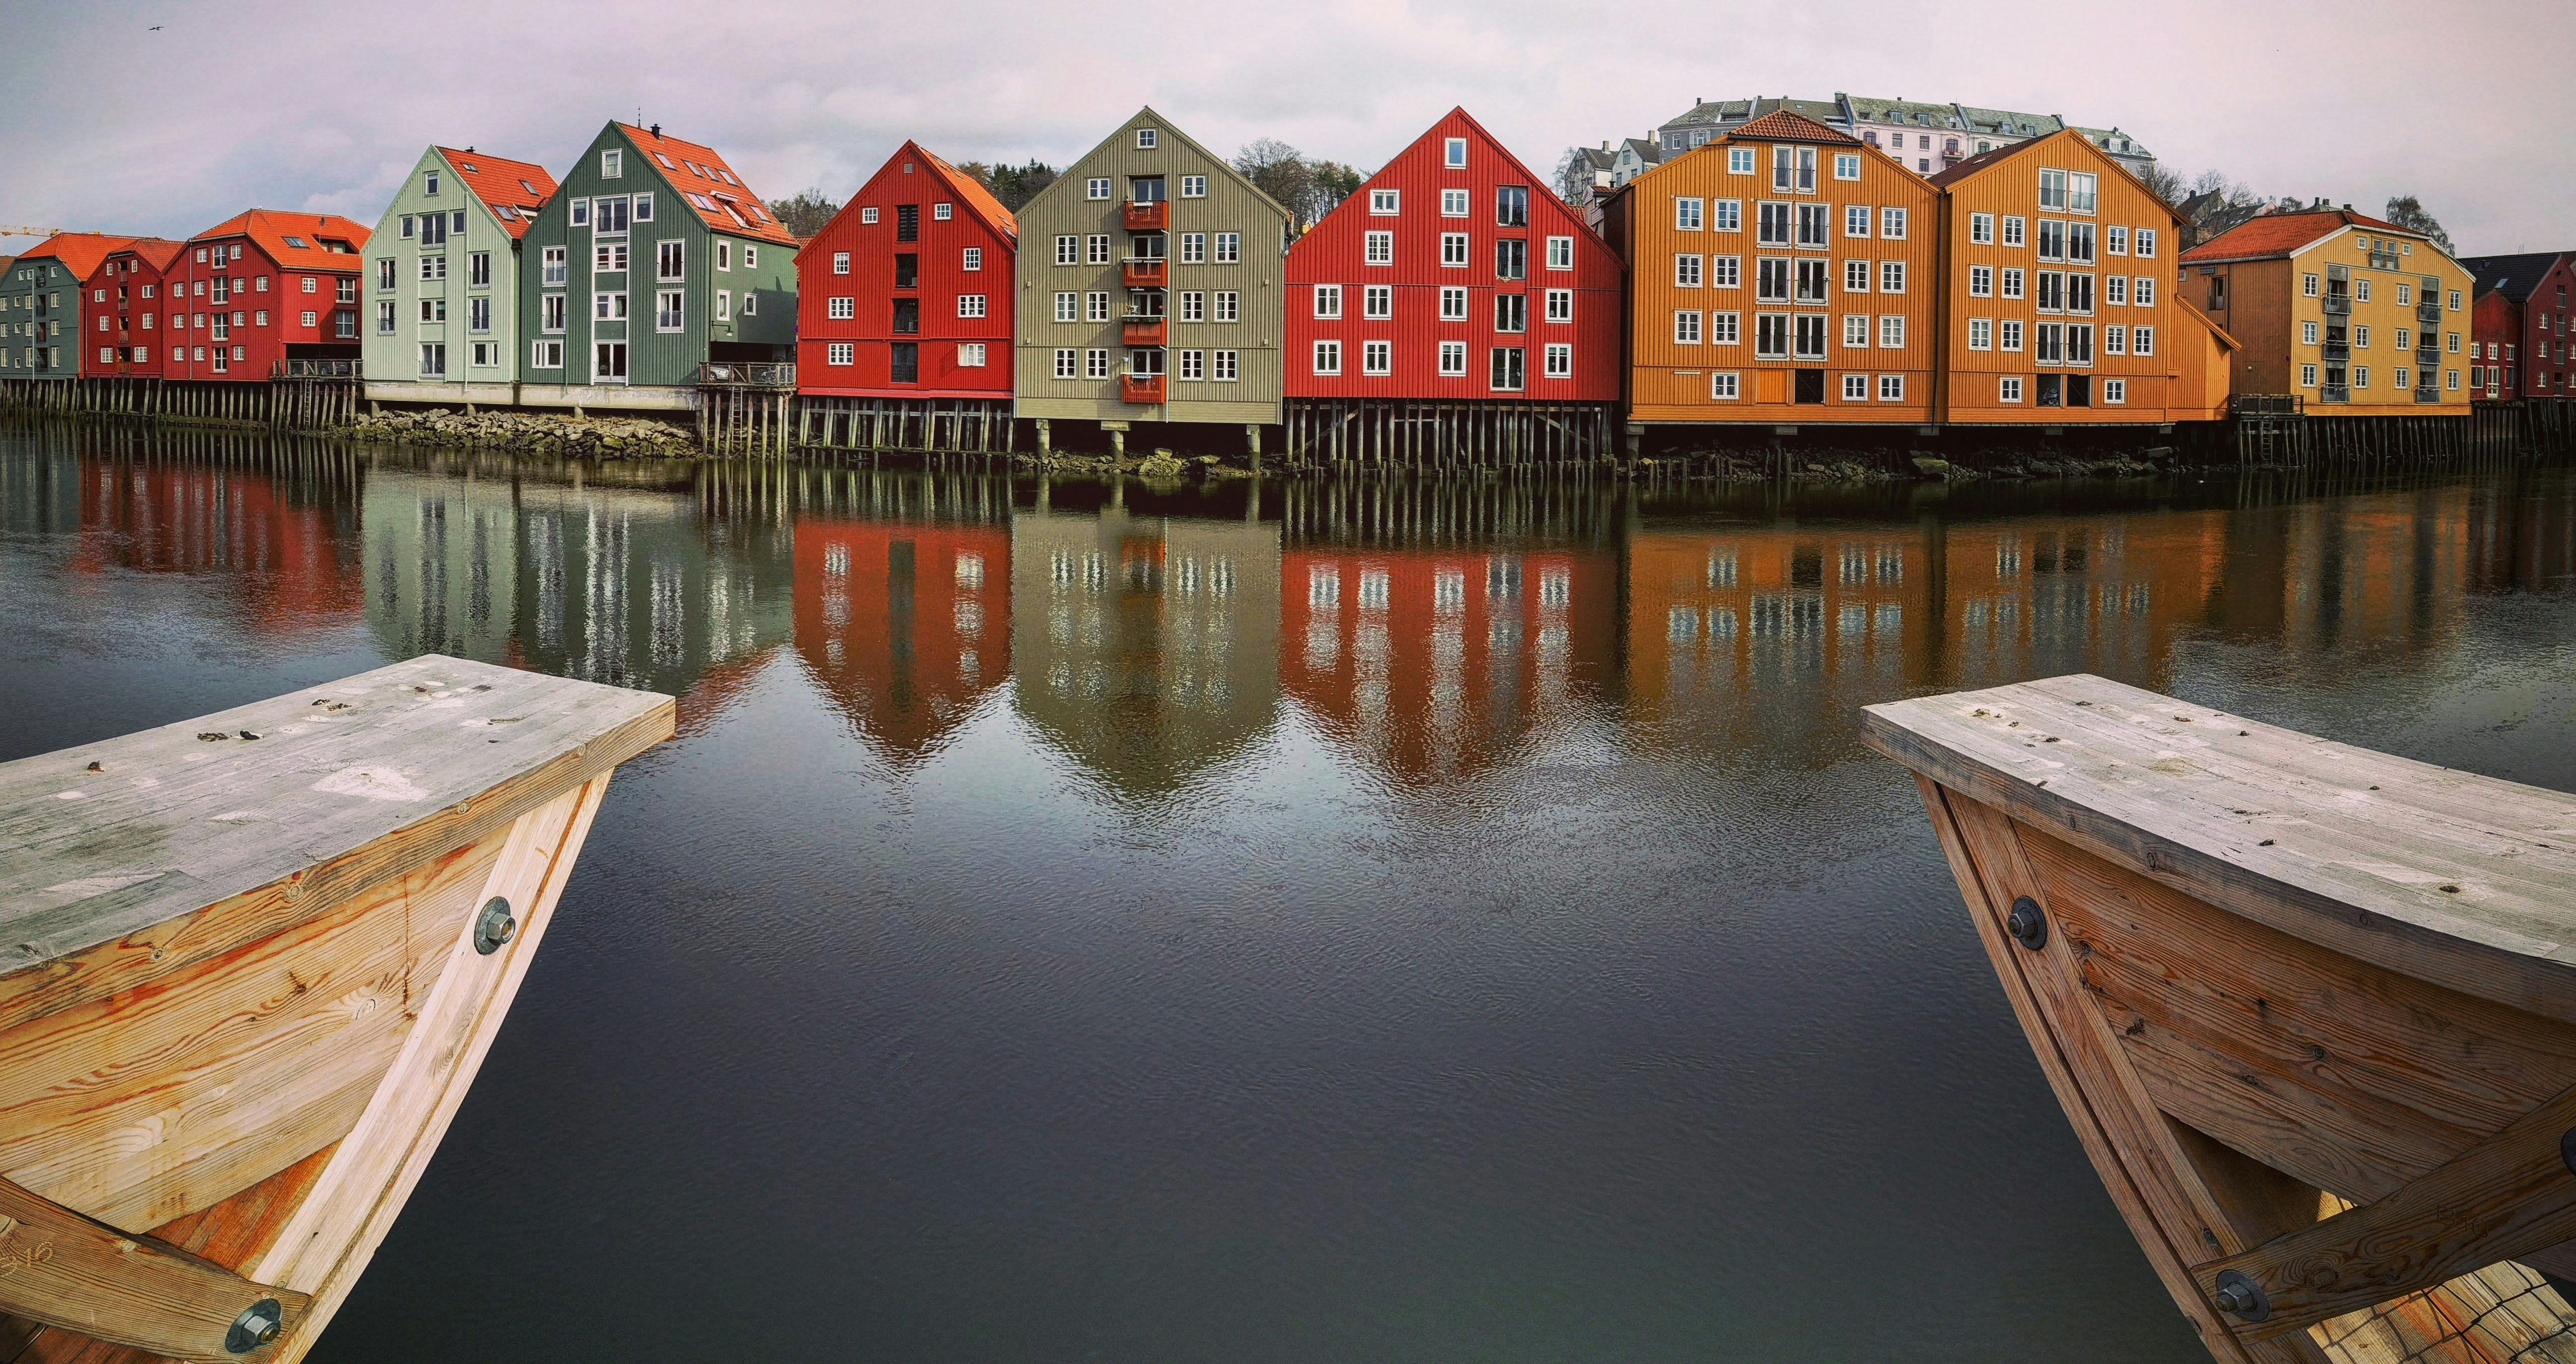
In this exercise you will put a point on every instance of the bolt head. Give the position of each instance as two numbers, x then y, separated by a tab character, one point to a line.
2027	924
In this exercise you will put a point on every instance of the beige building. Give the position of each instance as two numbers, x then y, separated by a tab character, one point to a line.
1151	288
2352	315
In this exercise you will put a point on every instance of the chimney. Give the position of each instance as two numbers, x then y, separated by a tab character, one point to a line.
657	130
1605	144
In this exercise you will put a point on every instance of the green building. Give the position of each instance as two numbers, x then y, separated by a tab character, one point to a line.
443	303
652	259
1150	287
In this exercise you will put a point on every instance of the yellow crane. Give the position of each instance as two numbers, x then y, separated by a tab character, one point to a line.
7	230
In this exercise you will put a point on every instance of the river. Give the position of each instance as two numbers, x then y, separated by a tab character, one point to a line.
1329	921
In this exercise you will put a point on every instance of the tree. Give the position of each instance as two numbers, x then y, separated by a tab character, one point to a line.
1573	176
805	214
1280	171
1013	185
2407	212
1334	182
2165	184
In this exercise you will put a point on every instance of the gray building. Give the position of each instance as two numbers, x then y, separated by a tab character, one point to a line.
1928	137
1150	287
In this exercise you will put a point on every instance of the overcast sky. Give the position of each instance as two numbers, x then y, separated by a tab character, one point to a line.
323	107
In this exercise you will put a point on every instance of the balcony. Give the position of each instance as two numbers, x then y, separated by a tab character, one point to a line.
2428	358
1140	388
2335	393
2429	312
1147	274
2337	350
713	374
2428	395
1149	215
316	369
1142	331
2338	305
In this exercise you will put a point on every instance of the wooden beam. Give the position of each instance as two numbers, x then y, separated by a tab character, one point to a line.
62	1269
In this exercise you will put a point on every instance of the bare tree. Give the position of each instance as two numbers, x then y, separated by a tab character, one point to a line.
1573	177
2408	212
805	214
1281	172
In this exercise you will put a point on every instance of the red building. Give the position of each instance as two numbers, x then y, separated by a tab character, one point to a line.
2519	324
127	299
907	292
261	288
1455	274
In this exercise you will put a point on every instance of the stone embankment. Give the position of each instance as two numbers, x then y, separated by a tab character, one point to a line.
533	432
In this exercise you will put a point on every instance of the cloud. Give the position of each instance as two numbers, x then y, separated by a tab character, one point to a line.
323	106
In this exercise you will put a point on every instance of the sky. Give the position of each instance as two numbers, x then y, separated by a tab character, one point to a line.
164	117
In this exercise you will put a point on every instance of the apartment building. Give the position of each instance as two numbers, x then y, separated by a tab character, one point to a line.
2355	316
908	292
444	310
2518	337
258	289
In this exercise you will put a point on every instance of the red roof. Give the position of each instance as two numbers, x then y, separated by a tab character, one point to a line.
711	187
1780	125
294	240
2279	234
520	186
155	252
80	252
973	192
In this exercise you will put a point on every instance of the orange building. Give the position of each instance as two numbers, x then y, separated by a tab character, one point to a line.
1784	272
284	549
2058	268
1437	663
903	626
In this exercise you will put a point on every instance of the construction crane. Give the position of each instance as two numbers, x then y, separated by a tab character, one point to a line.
7	230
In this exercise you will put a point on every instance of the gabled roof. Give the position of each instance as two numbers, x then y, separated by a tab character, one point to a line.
2006	123
1644	148
1596	158
1783	125
1714	111
970	189
295	240
1984	160
2281	234
2514	276
1909	112
708	185
155	252
2104	137
80	252
1065	183
519	186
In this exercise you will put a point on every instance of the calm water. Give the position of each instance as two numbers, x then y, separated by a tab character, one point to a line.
1336	925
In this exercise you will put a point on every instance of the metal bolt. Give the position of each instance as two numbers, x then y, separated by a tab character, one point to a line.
2241	1296
2027	924
494	926
2567	1150
258	1324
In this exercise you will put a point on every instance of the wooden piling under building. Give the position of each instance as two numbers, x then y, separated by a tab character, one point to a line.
1426	437
928	426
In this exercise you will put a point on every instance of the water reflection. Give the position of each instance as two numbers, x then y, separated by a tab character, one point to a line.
1428	631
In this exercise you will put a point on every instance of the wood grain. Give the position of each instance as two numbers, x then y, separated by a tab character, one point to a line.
2360	844
69	1271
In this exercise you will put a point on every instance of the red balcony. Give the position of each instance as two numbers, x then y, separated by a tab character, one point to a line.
1147	274
1141	388
1143	331
1155	216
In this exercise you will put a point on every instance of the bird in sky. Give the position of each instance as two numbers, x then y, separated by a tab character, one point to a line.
154	29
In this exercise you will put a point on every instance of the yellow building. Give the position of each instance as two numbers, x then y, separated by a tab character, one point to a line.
1784	272
2056	271
2355	316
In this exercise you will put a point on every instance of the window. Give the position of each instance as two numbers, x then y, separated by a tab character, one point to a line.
2012	281
1846	166
2142	340
2451	378
1068	250
1229	308
1453	203
2361	376
431	310
2052	189
2115	240
1855	329
2146	241
1453	304
2361	290
1229	248
2361	337
1981	281
1379	248
1095	364
2308	285
1328	357
670	311
1686	272
1508	374
1193	366
1812	224
608	258
1511	258
1726	215
1453	249
556	265
433	360
1856	220
1725	272
1793	169
1145	139
1095	306
1377	301
1771	280
604	306
1328	300
1454	153
1891	223
2455	301
1193	186
2115	340
1855	388
1811	281
643	208
841	308
478	315
2405	294
1453	358
1560	253
431	267
1772	224
1560	305
1722	387
1064	363
1891	388
1511	205
1891	332
1068	306
384	275
1097	188
384	317
1096	249
840	353
1981	228
724	254
1739	161
1511	312
1809	338
1686	328
2013	227
2008	389
550	312
2115	290
1981	333
1382	202
1689	214
2079	243
1377	357
2008	335
970	305
612	163
1193	248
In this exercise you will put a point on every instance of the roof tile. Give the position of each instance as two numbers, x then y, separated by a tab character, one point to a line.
2279	234
1783	125
710	186
520	186
294	240
80	252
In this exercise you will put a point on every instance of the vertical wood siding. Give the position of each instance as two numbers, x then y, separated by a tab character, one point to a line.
1335	252
395	358
908	177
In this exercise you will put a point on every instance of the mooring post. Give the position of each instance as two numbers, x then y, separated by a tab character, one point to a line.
1046	439
1117	439
1252	441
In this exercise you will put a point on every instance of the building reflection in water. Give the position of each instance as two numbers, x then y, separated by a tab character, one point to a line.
1147	646
904	625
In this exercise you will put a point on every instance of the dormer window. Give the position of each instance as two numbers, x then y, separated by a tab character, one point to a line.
531	189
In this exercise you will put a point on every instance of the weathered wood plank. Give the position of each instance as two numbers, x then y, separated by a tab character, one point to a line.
427	755
353	1204
2464	881
68	1271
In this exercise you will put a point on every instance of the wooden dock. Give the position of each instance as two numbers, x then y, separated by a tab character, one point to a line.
254	960
2311	1009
